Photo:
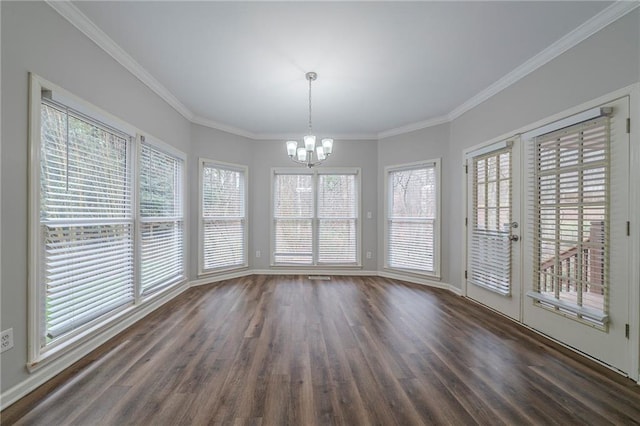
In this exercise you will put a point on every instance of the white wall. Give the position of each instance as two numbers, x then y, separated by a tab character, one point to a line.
36	39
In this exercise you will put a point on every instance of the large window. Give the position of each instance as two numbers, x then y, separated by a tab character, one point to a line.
315	217
412	231
223	216
571	220
87	264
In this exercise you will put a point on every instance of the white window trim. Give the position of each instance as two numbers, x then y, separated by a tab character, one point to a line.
38	357
436	163
315	172
202	162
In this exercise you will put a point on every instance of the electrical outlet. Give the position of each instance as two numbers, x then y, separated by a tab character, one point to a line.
369	215
6	340
369	254
258	254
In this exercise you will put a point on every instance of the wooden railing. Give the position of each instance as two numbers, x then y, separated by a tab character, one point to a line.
568	268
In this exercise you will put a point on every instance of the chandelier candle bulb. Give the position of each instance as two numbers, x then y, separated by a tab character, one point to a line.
304	155
292	146
327	145
310	142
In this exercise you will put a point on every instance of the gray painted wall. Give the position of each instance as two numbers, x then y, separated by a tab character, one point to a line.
425	144
606	61
35	38
215	145
269	154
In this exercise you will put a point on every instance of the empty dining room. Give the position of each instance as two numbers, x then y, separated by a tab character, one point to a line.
314	213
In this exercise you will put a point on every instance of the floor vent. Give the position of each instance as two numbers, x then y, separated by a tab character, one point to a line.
320	277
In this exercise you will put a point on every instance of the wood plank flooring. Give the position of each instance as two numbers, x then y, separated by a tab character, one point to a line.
283	350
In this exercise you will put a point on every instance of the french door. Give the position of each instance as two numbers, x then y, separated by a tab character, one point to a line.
577	248
493	226
563	269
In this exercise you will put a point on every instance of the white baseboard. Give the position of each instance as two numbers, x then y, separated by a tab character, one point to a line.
420	280
222	277
46	372
288	271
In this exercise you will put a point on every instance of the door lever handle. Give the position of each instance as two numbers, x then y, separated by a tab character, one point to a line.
514	238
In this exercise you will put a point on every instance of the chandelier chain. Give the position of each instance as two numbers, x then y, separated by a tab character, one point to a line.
310	128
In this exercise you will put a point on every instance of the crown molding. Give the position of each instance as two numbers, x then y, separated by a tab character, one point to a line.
414	126
607	16
78	19
334	136
196	119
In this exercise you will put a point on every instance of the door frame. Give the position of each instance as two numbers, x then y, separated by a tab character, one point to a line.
633	91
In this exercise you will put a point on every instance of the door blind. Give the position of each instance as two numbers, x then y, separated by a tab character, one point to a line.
411	218
571	220
490	249
86	221
223	218
162	222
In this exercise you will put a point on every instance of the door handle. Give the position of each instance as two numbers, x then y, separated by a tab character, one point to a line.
514	238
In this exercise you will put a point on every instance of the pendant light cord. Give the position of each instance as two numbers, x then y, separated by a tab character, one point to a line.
310	129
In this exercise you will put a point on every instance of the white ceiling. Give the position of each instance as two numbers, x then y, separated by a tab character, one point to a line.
381	65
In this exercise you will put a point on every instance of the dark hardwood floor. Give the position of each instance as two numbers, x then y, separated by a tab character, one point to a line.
278	350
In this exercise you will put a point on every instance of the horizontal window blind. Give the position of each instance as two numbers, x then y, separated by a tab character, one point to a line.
571	220
293	216
223	216
490	249
316	217
411	218
337	218
86	221
162	222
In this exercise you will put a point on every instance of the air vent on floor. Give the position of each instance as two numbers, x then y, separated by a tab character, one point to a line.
320	277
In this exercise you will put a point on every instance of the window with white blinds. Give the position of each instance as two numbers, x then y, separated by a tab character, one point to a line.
94	250
315	217
160	179
490	249
412	230
86	221
223	210
571	220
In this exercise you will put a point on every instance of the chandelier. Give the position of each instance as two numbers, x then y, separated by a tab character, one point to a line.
305	154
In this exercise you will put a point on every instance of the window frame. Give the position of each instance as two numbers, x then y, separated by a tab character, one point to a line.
173	152
436	164
37	354
202	163
315	220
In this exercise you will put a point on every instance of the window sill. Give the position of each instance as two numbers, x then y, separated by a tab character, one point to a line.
414	273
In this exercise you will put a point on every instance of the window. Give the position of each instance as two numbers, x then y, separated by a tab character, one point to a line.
223	216
571	220
86	263
86	220
315	217
161	219
412	225
490	248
